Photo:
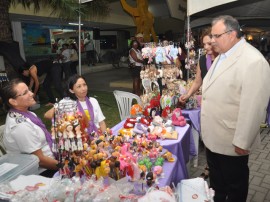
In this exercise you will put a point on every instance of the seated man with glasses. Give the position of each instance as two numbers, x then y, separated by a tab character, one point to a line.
24	131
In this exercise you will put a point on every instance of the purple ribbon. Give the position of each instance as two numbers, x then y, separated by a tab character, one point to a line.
91	125
208	62
37	121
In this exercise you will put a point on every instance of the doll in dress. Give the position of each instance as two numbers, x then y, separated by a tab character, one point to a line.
71	135
79	137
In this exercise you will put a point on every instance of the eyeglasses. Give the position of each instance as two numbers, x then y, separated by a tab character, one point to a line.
215	36
24	93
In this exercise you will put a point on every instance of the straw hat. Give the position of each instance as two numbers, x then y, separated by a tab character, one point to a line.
139	35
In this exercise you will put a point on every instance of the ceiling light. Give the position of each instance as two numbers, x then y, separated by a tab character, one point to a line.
74	23
84	1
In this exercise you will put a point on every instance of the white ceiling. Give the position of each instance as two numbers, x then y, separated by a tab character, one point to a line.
253	14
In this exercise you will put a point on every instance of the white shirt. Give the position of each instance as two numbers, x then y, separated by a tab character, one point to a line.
21	135
66	53
98	115
223	56
88	44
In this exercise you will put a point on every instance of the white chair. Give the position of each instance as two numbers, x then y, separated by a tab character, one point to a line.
124	102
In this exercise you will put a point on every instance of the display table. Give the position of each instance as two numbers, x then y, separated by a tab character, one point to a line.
181	148
172	174
194	116
13	165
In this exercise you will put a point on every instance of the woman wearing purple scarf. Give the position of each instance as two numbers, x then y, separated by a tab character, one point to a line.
203	66
89	107
24	131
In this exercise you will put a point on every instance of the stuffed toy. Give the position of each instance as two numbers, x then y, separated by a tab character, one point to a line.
140	128
130	123
177	118
166	113
136	110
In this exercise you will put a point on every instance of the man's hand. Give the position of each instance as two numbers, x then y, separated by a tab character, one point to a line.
240	151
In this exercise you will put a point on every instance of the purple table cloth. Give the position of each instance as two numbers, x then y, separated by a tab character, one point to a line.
194	115
172	173
181	148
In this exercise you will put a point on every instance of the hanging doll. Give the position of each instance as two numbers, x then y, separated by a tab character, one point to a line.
71	135
79	137
54	147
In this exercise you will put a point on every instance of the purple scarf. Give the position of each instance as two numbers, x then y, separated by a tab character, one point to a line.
91	125
208	62
37	121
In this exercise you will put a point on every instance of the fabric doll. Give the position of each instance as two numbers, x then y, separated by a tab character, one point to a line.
160	54
79	137
130	123
136	110
177	118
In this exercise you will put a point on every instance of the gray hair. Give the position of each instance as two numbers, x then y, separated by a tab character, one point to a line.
230	23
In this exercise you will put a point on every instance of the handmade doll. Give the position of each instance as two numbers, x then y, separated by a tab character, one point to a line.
71	135
177	118
65	170
166	113
150	179
136	110
114	168
79	137
140	128
54	147
160	55
158	170
103	169
66	140
168	156
130	122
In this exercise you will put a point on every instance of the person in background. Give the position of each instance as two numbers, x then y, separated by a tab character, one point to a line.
43	72
65	59
139	38
74	58
90	50
235	94
77	91
136	64
203	66
24	132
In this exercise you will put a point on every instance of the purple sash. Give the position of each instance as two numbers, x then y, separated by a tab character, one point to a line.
37	121
208	62
91	125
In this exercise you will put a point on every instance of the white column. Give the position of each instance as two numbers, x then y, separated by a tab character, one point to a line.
18	36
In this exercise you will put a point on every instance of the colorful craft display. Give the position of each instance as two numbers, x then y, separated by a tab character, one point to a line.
83	153
161	53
